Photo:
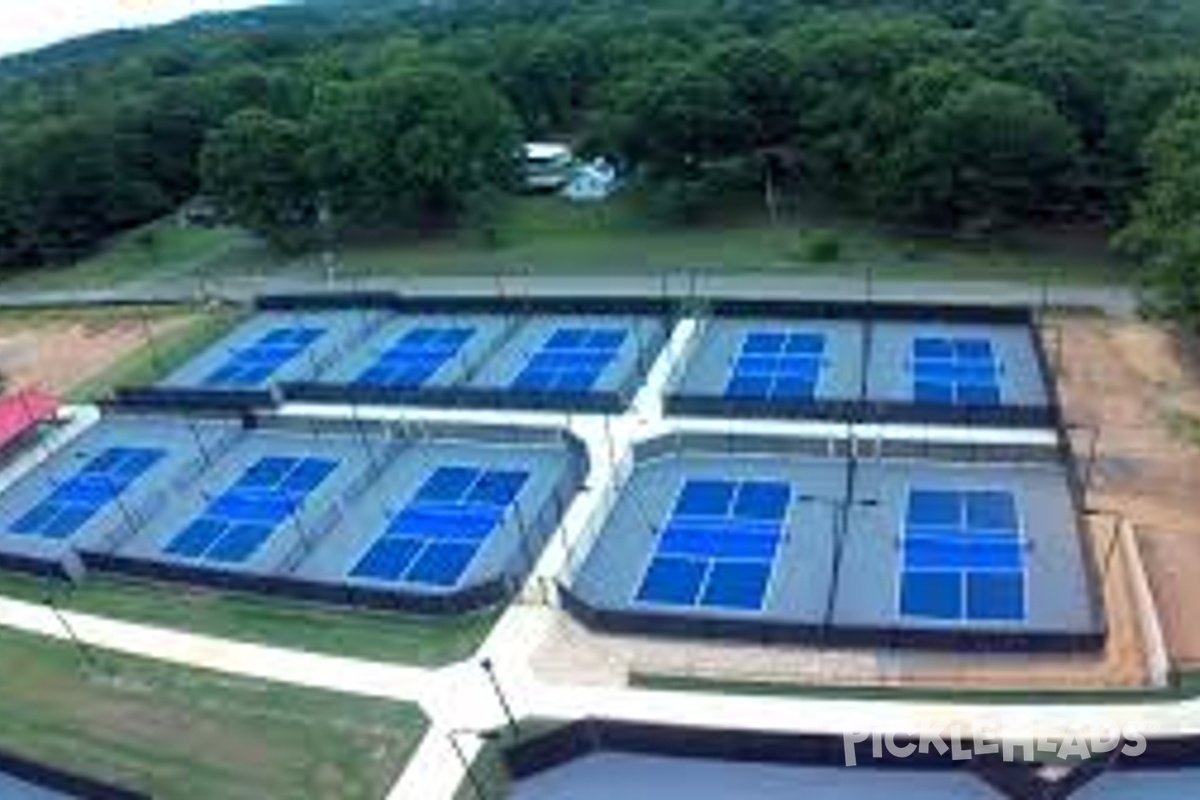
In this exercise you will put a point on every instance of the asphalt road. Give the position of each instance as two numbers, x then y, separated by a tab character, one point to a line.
1114	300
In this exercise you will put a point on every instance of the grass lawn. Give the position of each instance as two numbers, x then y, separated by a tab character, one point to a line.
1187	685
162	249
195	735
489	768
385	636
546	234
163	355
551	235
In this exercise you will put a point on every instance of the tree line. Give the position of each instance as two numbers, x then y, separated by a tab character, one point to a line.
956	115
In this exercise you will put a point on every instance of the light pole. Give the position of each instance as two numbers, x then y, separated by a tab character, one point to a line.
490	669
468	767
841	523
85	652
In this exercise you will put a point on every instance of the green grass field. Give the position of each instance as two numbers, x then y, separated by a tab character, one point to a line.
550	235
385	636
1187	685
162	249
546	234
195	735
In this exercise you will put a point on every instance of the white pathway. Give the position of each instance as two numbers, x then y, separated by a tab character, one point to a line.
210	652
459	698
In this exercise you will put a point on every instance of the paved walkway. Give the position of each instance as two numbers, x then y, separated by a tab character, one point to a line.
459	698
223	655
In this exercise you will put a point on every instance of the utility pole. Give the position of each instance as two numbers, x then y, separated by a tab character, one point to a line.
86	657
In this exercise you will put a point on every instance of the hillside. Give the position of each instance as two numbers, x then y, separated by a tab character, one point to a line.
941	116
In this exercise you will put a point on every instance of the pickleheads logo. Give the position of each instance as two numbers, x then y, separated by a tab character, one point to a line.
964	742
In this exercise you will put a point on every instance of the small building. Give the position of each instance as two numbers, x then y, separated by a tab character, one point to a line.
21	414
548	166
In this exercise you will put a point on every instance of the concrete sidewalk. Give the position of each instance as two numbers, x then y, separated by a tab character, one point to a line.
356	676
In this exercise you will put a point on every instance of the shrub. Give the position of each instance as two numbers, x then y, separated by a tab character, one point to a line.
821	247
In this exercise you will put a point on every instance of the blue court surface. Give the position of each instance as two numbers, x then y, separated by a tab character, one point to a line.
955	371
432	541
237	523
93	487
773	365
571	359
253	365
963	556
718	546
767	363
416	356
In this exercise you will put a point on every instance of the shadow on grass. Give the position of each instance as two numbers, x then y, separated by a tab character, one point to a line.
355	633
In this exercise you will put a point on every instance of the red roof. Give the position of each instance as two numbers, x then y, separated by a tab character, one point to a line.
21	411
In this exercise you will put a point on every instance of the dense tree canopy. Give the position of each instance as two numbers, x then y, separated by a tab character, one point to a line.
986	151
953	113
411	147
1165	229
255	163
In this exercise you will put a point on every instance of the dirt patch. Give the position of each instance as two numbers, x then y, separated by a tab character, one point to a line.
59	352
1137	384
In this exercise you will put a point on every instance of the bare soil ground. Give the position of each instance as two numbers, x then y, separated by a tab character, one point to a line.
59	351
1139	384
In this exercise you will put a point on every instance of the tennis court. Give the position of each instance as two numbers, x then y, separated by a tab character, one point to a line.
451	513
98	483
780	360
954	364
486	355
828	367
742	535
263	501
573	355
963	556
718	546
723	531
234	525
419	351
968	546
317	509
273	347
102	484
